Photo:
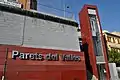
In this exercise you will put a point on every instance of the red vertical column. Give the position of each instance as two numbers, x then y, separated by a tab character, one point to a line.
87	41
104	50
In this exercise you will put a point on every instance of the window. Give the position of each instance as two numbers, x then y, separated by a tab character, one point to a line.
118	50
94	25
115	49
118	41
33	4
114	40
109	38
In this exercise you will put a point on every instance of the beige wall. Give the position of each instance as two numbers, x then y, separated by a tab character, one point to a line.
26	4
113	41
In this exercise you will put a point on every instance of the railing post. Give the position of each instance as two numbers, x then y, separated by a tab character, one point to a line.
5	65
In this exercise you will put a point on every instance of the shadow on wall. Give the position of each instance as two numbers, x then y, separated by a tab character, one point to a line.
87	61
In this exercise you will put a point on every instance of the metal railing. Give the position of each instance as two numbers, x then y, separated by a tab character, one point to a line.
55	11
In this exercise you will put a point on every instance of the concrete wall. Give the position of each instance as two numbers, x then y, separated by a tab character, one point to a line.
113	71
11	27
28	31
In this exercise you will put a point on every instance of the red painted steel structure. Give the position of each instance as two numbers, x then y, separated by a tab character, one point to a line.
41	70
86	34
54	70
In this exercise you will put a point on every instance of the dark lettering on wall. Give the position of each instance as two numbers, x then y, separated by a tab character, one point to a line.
52	57
70	57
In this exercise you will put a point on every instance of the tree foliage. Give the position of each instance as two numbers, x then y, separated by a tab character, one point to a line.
114	56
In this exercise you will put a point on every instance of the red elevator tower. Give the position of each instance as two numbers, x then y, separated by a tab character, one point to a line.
93	43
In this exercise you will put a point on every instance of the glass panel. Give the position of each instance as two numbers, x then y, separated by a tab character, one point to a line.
33	4
93	25
96	36
101	68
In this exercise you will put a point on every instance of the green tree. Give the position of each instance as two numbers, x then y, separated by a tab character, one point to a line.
114	56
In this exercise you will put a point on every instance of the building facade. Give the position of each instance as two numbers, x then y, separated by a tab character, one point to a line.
37	46
12	3
28	4
40	46
25	4
112	40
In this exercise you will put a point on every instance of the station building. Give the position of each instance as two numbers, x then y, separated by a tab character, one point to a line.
36	46
39	46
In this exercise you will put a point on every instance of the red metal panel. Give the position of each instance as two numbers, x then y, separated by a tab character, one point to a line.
45	75
73	75
87	39
41	70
